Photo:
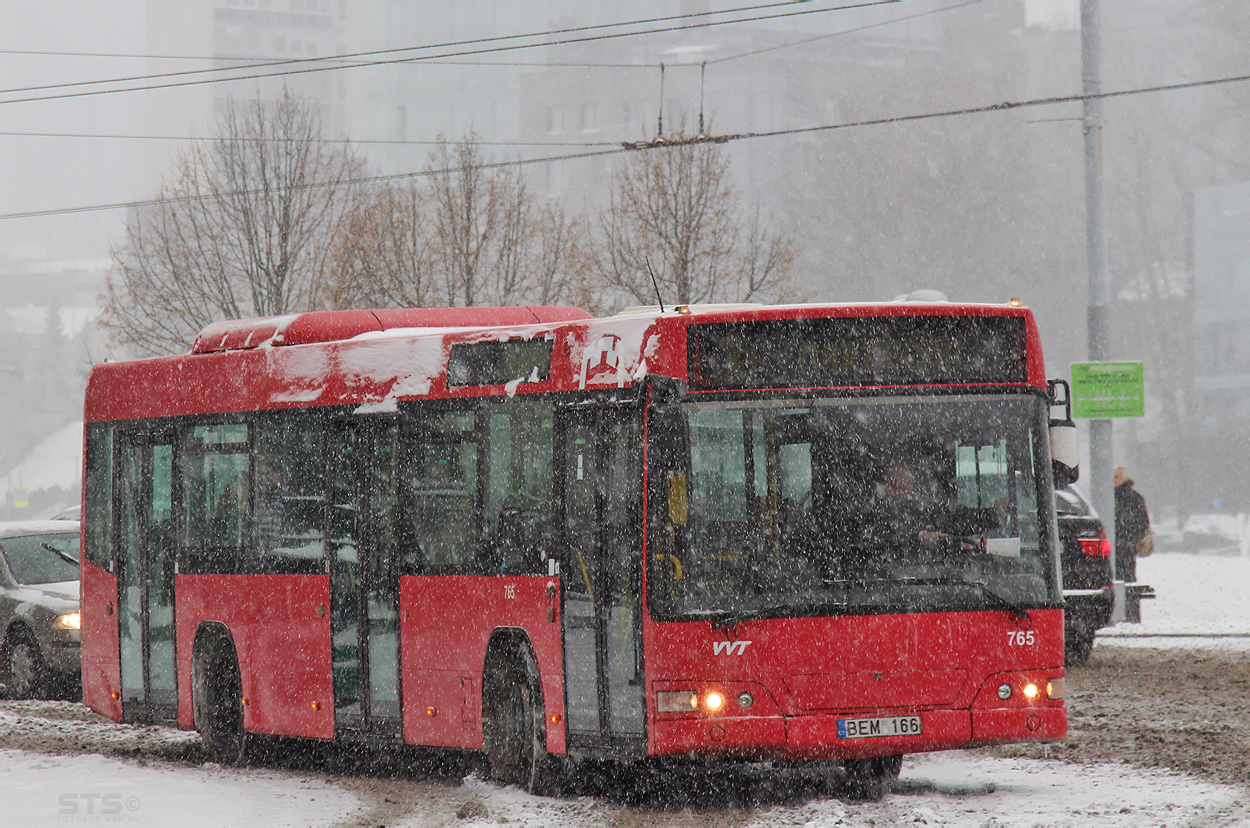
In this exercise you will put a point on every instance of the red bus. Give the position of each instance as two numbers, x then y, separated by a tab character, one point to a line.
810	532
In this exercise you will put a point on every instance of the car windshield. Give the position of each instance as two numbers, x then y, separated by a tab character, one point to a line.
1070	502
42	559
836	506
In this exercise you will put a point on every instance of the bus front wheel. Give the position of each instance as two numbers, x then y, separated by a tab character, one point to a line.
869	779
514	733
1077	644
218	703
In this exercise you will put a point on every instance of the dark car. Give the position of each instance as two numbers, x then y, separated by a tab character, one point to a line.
1088	593
40	651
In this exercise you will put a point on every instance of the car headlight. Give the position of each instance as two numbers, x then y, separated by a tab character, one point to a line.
69	621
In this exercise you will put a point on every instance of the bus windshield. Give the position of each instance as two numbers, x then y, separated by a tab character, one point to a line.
840	506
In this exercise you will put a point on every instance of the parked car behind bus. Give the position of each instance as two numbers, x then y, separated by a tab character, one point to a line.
39	653
1088	594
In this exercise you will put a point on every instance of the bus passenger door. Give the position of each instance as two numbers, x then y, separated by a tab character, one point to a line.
145	599
601	474
364	581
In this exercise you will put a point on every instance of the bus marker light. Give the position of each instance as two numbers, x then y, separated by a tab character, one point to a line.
676	701
316	705
246	701
115	695
1015	303
745	700
1030	691
1004	691
1054	688
555	718
714	700
430	711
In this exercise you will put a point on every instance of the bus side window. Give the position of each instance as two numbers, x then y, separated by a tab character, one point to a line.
216	470
439	489
517	521
99	489
288	504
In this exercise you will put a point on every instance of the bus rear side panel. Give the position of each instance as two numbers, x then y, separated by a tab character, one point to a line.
280	626
446	625
101	675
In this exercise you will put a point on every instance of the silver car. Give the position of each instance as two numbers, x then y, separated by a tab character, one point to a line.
40	651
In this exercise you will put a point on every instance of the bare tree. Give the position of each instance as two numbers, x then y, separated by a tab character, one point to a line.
493	245
242	229
675	213
383	256
472	234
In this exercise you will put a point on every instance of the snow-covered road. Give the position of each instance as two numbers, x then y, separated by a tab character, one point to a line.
964	788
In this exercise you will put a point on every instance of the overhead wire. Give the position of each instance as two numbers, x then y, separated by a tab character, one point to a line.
841	33
264	61
1004	106
362	141
360	62
648	66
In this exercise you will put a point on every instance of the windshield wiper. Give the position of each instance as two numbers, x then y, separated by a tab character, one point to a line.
731	619
1003	603
62	555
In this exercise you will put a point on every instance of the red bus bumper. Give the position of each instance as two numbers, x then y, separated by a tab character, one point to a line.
815	736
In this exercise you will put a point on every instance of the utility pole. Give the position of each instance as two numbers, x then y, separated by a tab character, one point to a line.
1101	491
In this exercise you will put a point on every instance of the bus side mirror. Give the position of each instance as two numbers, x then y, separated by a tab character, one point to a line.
1065	453
678	499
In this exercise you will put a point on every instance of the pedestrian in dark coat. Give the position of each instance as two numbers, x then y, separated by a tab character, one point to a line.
1132	523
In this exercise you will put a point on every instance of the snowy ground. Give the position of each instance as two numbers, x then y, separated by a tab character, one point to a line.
1198	594
950	789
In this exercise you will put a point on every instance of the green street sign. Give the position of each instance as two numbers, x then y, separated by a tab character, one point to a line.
1108	389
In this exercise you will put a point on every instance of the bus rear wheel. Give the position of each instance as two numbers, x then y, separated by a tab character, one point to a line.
219	703
514	733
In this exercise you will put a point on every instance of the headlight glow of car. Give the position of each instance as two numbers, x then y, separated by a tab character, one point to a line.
69	621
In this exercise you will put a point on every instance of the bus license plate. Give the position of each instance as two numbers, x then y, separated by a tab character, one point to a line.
889	726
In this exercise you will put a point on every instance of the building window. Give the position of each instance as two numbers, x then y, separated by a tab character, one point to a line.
589	118
555	120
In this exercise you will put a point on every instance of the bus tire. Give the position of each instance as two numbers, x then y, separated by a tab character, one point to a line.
869	779
25	674
218	702
1077	646
514	732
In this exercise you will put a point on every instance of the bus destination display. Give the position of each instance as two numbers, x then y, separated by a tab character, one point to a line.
857	351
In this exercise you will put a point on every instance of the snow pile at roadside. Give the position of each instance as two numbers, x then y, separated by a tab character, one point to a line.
1198	594
91	789
54	461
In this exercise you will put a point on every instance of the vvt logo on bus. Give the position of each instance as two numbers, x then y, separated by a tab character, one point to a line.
729	647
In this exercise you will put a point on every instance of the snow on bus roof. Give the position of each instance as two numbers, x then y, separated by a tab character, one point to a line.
333	326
